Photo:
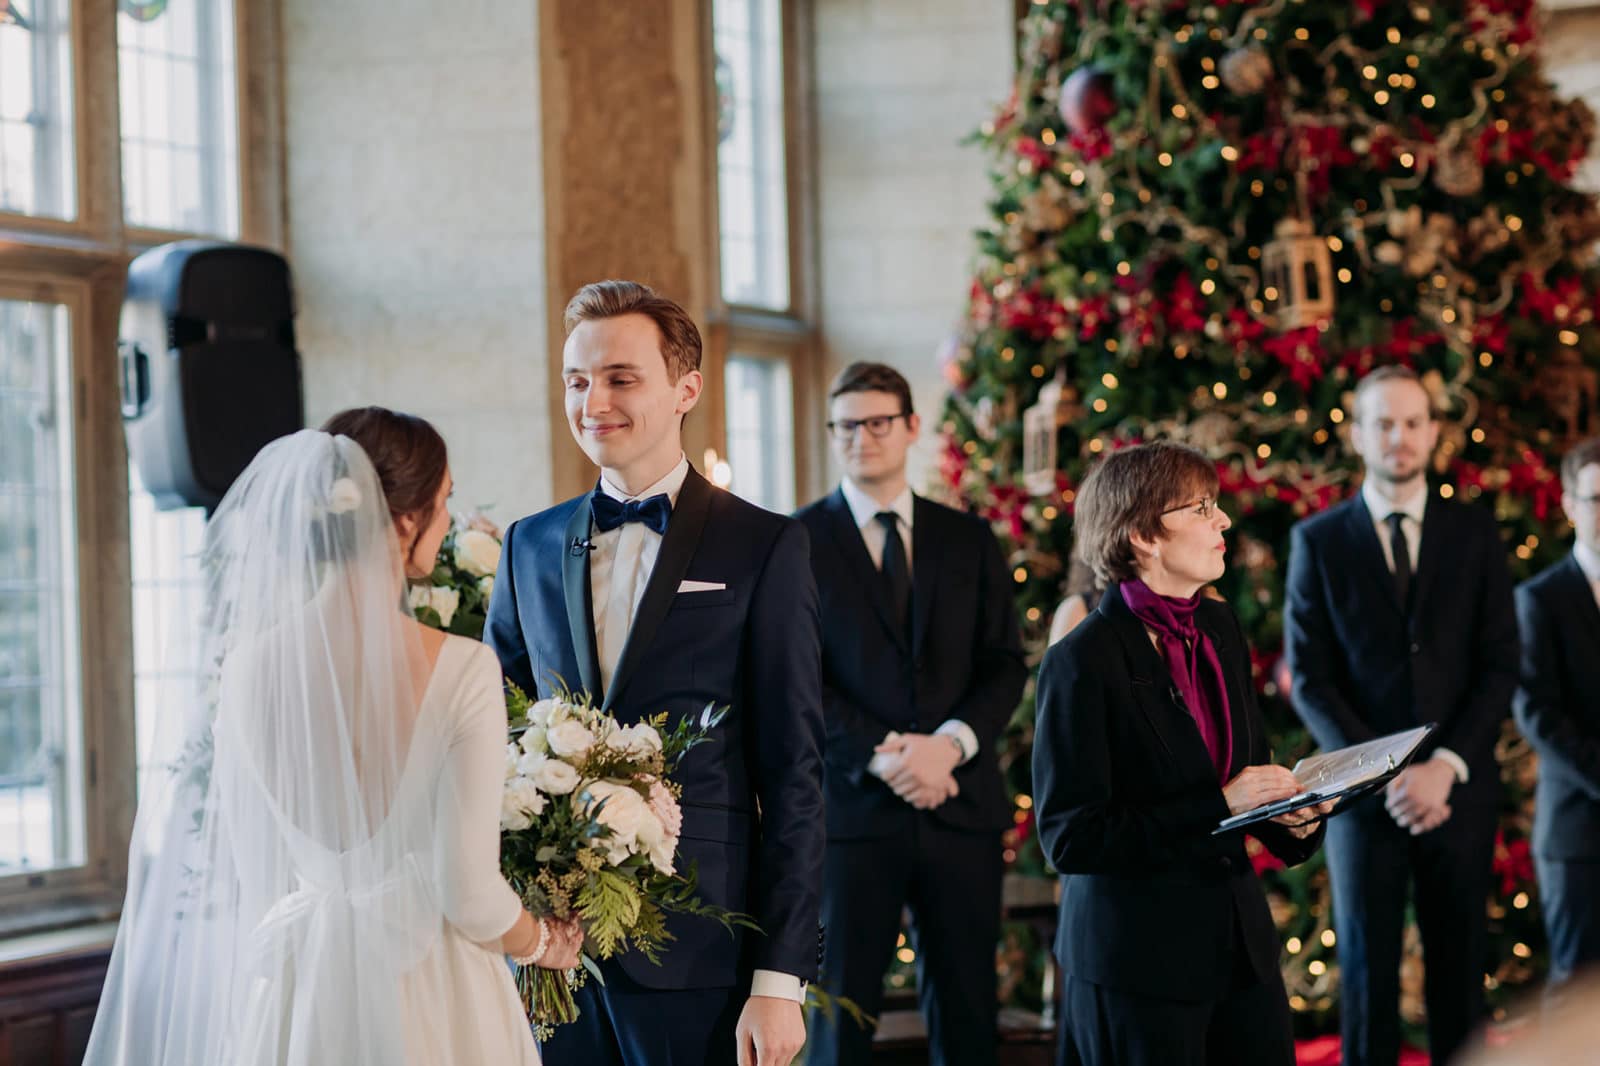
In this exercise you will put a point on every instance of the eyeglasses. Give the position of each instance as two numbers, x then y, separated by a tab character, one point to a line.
877	425
1205	507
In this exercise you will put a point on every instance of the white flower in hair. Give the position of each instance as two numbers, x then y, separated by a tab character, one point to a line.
343	496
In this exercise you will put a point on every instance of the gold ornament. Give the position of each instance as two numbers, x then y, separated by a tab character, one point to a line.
1297	269
1058	407
1246	71
1457	171
1572	390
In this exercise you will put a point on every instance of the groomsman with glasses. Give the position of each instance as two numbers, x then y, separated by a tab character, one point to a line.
1557	710
1399	612
921	668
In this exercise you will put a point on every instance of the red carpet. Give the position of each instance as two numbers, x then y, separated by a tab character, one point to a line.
1324	1051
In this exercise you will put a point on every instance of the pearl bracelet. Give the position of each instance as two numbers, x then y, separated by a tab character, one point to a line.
539	949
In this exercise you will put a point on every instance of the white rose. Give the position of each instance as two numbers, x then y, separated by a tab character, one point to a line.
343	496
477	553
555	777
620	809
486	586
645	740
533	742
539	714
569	738
419	596
513	753
655	843
444	601
528	765
639	740
520	802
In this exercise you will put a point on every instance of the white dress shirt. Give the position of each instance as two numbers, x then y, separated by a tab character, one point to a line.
1411	525
1589	562
865	510
619	569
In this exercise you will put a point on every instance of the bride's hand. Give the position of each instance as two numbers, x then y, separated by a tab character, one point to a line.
566	943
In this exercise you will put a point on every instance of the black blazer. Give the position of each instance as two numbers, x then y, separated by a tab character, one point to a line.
1558	708
1127	797
752	799
1363	665
964	661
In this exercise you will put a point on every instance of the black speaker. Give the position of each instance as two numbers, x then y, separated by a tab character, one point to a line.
209	368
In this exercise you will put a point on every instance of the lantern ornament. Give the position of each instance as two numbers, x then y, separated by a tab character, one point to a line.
1298	271
1057	408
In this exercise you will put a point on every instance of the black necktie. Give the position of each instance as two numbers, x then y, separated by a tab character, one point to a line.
610	513
896	573
1402	557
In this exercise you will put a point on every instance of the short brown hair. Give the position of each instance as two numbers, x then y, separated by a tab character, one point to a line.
1387	373
1584	453
1126	495
872	377
408	454
680	337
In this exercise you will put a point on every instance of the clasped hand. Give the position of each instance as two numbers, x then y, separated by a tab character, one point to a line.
1418	798
1255	786
919	767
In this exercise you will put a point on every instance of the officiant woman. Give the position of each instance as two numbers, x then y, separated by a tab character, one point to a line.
1148	736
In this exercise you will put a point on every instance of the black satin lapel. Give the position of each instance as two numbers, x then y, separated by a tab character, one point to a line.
925	560
678	545
580	606
1368	552
868	578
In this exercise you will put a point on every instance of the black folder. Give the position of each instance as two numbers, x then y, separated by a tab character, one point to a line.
1345	775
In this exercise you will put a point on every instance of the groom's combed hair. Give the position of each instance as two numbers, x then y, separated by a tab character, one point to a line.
680	338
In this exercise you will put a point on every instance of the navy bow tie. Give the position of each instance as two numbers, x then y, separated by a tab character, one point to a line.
610	513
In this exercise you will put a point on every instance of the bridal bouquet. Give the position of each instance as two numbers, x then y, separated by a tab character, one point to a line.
589	822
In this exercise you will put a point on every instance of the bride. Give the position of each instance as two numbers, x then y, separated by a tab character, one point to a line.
314	876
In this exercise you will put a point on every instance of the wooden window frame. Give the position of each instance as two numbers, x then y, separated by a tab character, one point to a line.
82	263
790	335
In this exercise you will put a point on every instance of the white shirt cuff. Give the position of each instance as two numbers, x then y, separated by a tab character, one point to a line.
778	986
1455	762
955	727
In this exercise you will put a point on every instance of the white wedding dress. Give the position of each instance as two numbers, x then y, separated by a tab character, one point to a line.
315	880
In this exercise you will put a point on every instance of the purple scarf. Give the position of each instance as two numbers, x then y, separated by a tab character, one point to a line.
1193	663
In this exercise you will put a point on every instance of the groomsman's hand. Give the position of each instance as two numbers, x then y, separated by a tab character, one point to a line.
1418	798
918	767
771	1031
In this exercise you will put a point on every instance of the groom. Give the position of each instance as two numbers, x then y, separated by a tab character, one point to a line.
657	592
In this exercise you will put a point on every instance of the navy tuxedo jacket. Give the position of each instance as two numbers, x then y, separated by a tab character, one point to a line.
963	660
1364	664
1558	708
752	799
1127	797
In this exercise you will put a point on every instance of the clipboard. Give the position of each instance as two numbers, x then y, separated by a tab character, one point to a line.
1345	775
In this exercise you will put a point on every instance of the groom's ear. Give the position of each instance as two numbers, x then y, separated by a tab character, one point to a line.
689	387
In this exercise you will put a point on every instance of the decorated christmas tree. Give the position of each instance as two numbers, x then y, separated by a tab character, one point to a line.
1209	220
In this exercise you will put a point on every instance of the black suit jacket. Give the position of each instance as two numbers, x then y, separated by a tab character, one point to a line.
1558	708
1364	665
1127	797
964	660
752	799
